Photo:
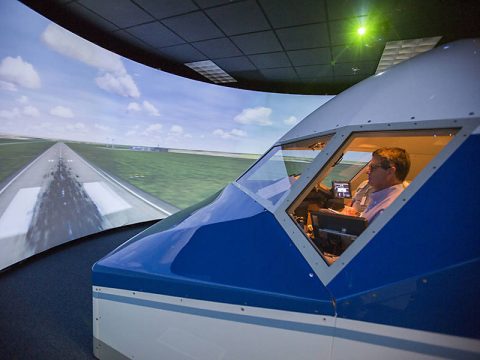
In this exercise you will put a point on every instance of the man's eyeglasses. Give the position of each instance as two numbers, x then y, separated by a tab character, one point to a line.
376	166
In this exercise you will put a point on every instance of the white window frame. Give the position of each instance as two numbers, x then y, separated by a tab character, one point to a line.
323	271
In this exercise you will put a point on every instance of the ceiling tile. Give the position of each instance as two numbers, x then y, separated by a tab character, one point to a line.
343	9
164	8
184	53
253	75
310	56
155	34
124	35
283	13
240	63
193	27
356	53
348	80
314	71
318	80
88	14
309	36
404	29
239	18
280	74
270	60
209	3
355	69
260	42
217	48
122	13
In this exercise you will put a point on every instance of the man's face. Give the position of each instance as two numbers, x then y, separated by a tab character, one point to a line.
378	177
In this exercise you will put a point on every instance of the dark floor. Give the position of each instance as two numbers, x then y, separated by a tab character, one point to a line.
46	301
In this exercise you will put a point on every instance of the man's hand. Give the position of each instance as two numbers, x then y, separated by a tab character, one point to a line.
348	210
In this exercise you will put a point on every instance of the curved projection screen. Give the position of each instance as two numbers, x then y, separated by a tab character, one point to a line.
91	141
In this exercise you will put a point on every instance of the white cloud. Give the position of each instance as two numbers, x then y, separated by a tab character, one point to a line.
153	129
62	112
221	133
16	112
176	130
134	106
10	114
239	133
19	72
5	85
71	45
292	120
118	84
22	99
259	116
31	111
113	76
234	133
150	108
146	106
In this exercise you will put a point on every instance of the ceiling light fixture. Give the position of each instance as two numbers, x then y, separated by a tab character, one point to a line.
211	71
397	51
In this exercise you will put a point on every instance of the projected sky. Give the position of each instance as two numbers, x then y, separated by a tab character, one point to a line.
54	84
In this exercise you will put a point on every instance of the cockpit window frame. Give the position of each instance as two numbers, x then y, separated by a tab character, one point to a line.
264	202
329	155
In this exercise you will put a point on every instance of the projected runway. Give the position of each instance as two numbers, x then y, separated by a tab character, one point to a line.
60	197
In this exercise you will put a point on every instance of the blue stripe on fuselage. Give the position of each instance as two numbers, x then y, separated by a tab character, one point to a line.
231	251
422	270
346	334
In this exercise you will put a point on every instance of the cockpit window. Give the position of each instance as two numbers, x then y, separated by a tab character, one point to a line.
273	175
350	191
349	165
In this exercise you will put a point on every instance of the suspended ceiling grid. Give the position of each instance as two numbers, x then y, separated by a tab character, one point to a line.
291	46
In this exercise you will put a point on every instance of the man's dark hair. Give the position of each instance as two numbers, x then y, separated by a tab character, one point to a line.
394	157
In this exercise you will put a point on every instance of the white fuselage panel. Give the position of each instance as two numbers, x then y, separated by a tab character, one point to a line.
151	326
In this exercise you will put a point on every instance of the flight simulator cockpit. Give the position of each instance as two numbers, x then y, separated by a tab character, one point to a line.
301	258
321	215
328	209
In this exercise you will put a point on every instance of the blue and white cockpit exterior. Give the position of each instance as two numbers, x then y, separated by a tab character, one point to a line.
236	277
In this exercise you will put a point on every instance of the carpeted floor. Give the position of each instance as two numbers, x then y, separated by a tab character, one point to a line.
46	301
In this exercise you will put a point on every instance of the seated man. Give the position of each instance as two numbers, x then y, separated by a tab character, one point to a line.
386	172
361	199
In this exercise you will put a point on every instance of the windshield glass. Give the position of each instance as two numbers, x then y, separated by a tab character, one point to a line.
273	175
349	165
335	207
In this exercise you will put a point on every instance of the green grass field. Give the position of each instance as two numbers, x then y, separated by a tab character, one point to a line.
18	154
180	179
8	141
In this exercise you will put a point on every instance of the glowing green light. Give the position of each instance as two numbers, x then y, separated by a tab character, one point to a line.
361	31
